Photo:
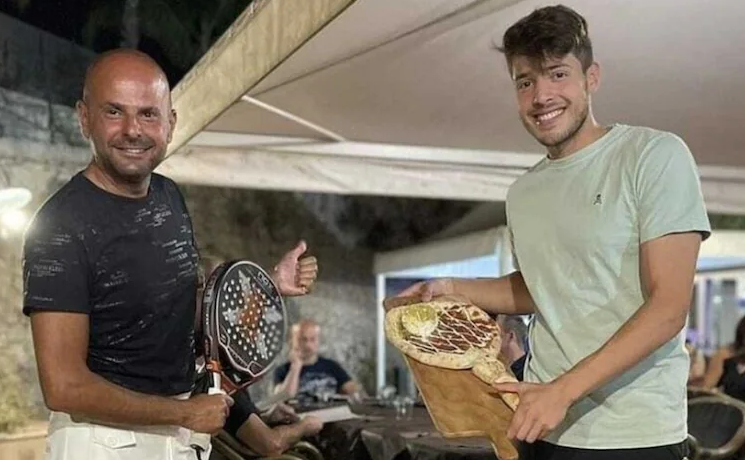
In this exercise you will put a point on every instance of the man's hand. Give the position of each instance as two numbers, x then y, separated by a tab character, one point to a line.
207	413
542	407
282	413
423	291
295	275
312	425
294	357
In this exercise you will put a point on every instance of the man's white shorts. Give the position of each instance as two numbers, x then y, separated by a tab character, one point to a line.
71	440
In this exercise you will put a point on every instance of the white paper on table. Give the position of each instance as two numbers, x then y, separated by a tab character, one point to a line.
332	414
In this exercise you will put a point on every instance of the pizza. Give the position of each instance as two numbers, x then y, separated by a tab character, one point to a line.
447	334
451	334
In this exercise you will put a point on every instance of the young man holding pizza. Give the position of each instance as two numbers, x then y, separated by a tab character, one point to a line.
606	231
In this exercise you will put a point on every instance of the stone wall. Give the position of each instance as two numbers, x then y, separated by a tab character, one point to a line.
40	148
39	64
18	361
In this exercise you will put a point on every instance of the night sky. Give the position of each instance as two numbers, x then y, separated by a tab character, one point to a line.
64	18
67	19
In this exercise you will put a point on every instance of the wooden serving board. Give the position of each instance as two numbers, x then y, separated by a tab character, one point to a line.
462	406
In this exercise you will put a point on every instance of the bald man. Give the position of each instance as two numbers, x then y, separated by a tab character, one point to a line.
110	273
308	374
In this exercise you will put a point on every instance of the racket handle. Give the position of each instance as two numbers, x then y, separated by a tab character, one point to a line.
216	387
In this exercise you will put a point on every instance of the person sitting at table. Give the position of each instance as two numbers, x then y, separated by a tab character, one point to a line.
267	434
715	368
307	374
514	343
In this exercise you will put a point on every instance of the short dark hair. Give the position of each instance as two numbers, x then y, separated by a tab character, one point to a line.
549	32
739	345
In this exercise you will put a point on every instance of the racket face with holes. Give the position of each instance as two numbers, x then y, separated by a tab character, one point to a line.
248	319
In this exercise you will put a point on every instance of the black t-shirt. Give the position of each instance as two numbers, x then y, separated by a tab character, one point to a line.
324	376
518	367
131	265
732	380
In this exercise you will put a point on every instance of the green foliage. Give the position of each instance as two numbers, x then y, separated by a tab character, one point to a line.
184	30
16	359
21	4
727	222
15	407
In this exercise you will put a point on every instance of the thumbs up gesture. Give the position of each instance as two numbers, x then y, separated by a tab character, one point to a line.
295	274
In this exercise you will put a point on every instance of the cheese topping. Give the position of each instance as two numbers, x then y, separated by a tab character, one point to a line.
420	320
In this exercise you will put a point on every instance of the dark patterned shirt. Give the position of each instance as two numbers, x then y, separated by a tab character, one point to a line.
322	377
131	266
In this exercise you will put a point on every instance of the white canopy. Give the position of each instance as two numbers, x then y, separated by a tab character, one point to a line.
410	98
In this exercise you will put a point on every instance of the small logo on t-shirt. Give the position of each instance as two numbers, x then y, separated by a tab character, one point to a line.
598	199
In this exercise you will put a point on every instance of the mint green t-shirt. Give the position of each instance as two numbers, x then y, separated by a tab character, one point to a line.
577	225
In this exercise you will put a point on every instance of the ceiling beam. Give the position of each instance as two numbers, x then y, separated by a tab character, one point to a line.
309	172
247	142
262	37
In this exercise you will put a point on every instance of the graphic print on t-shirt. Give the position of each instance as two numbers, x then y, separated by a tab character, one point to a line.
317	383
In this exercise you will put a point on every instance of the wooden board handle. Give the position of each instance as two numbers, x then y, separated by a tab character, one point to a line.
503	447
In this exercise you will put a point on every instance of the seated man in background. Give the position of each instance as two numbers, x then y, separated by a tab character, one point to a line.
514	343
307	374
267	434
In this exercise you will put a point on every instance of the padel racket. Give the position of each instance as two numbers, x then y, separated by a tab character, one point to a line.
244	325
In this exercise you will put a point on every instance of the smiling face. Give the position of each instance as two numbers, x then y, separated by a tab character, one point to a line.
553	98
126	115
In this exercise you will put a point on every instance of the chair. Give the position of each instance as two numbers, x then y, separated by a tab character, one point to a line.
716	425
698	392
694	449
307	451
229	448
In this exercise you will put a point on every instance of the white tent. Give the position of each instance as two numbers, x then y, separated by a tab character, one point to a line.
410	98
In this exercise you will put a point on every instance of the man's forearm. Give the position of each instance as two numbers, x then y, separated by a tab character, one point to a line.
653	325
93	398
289	435
505	295
292	380
271	442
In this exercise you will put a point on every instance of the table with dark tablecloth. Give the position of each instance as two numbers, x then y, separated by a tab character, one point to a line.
379	435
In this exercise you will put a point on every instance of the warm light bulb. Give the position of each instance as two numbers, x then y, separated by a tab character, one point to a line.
13	219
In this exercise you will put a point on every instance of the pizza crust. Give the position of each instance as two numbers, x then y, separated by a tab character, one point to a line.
492	371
